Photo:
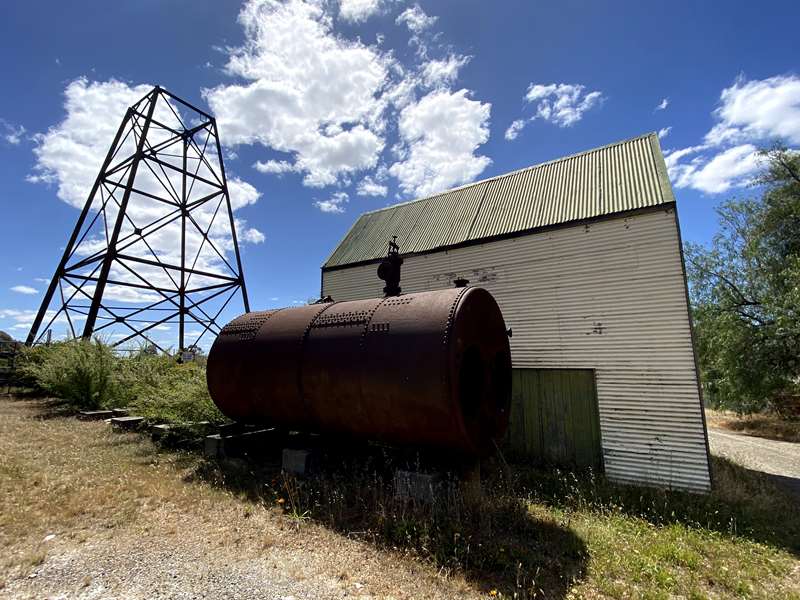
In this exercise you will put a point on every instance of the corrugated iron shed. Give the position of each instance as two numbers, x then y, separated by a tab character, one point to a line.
620	177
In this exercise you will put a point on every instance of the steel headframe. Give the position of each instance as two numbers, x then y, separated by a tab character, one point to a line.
166	159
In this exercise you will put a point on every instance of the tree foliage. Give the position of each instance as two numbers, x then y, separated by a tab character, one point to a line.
745	292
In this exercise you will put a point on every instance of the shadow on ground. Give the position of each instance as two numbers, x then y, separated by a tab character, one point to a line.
48	408
493	540
792	484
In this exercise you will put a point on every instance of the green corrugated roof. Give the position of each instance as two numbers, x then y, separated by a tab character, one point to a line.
619	177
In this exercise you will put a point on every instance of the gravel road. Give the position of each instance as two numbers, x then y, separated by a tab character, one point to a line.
781	460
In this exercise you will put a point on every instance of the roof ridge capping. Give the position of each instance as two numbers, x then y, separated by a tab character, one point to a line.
667	191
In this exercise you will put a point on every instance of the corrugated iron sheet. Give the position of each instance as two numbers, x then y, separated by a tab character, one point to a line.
608	297
624	176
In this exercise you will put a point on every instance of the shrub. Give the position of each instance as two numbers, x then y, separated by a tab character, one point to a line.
88	375
138	374
172	392
77	371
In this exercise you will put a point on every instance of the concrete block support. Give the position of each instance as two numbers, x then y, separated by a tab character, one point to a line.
417	486
238	445
127	423
297	462
95	415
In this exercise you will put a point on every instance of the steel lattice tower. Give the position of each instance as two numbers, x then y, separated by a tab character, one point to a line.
151	247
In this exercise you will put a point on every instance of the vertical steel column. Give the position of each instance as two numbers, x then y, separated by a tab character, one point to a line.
51	288
91	317
230	216
184	199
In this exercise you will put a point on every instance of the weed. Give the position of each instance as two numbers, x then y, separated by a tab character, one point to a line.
293	508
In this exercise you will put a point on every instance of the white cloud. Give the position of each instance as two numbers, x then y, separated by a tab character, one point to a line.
328	102
562	104
419	24
24	289
358	11
513	130
334	204
307	92
758	110
369	187
23	319
673	157
275	167
71	153
439	136
11	133
664	132
734	167
443	72
663	104
750	113
416	19
251	236
241	193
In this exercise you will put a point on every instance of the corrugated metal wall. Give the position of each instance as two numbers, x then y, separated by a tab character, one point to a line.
609	296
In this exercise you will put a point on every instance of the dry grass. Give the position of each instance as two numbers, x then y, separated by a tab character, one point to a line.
545	533
766	425
116	495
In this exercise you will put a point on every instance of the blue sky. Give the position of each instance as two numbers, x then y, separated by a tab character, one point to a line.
329	109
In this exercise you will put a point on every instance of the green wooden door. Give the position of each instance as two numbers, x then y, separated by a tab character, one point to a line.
554	417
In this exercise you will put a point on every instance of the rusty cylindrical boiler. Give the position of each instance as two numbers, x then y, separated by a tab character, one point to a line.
429	369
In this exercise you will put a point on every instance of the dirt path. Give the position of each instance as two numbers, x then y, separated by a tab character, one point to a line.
781	460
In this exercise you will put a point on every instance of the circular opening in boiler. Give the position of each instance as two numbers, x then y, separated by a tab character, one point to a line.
471	383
